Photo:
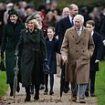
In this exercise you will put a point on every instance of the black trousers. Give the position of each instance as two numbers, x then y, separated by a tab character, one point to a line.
92	81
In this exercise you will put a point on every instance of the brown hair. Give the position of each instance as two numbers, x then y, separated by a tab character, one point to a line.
91	22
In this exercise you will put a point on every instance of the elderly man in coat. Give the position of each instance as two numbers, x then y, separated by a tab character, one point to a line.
76	50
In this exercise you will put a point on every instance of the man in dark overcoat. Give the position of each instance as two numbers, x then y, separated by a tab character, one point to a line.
61	28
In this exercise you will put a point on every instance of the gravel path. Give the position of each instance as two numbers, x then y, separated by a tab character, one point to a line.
45	99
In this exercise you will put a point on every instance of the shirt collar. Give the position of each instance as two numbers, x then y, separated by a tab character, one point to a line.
92	33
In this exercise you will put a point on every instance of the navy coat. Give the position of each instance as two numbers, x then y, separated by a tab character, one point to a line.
61	27
51	54
97	54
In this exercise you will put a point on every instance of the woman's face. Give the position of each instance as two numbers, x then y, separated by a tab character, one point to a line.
30	25
13	18
50	33
38	18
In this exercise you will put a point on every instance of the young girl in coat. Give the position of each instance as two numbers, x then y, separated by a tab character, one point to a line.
51	43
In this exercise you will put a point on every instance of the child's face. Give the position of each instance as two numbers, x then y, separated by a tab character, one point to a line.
50	33
90	27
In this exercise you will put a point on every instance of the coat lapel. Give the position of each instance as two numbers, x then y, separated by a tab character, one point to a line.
77	37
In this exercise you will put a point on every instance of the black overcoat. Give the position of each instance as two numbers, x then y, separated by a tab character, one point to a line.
33	52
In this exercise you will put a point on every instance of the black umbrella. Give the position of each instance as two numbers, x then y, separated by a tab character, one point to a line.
15	83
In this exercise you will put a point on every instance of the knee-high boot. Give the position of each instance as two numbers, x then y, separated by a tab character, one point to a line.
28	96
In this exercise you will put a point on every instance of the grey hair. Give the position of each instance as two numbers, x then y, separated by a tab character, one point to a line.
79	17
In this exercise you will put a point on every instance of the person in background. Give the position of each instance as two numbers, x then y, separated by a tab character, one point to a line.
9	6
61	28
76	50
65	12
2	10
11	34
51	43
96	57
33	48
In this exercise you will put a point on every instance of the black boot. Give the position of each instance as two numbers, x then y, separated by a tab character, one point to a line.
28	96
18	87
36	96
11	90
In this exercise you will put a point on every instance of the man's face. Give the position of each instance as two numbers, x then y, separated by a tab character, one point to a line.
78	24
74	11
66	12
29	11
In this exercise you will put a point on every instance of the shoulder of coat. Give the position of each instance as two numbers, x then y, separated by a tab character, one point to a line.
70	29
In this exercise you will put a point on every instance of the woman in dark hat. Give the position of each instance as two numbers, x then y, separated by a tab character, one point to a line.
11	34
33	55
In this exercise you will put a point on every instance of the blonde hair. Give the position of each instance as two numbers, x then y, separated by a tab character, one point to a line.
35	23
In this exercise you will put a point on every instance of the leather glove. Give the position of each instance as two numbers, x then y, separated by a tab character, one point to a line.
46	67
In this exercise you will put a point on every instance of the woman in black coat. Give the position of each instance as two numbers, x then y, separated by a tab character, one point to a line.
11	35
33	52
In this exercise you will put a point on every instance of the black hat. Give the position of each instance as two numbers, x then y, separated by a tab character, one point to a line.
31	17
12	12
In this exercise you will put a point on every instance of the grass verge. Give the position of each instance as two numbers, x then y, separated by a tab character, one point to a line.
100	84
3	85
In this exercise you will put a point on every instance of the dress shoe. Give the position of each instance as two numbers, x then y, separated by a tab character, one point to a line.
92	95
66	89
87	94
82	101
51	93
74	98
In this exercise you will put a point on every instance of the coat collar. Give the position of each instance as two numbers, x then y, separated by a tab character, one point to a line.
76	36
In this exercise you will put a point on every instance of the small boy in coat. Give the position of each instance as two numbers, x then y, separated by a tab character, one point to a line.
96	57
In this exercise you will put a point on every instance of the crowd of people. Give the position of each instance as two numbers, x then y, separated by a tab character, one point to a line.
48	37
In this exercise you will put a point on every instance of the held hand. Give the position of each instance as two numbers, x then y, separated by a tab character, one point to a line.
96	61
64	58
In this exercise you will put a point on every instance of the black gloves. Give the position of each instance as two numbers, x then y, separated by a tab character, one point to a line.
46	68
